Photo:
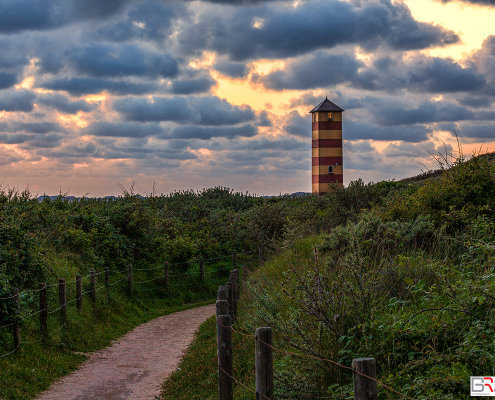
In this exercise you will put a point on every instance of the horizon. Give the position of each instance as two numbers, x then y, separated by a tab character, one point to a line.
181	95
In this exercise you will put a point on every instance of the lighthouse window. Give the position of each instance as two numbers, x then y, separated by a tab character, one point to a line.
315	143
329	116
314	117
330	169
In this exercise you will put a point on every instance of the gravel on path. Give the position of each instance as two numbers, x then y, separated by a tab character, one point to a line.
136	365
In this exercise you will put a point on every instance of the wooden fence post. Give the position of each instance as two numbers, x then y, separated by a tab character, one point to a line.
43	310
201	270
16	328
223	294
236	291
234	260
260	255
231	297
364	388
107	282
264	364
62	300
79	292
129	279
227	291
165	273
224	353
222	308
92	285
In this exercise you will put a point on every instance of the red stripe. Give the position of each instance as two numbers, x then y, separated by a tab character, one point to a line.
327	160
328	178
328	143
327	125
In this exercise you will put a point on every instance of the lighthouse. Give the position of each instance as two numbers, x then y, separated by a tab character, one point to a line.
328	168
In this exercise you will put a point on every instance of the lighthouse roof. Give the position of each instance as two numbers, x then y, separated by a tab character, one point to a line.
326	105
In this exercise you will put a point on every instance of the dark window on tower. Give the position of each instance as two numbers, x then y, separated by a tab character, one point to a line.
330	169
314	117
315	143
329	116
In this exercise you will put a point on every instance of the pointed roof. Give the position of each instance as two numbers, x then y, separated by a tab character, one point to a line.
326	105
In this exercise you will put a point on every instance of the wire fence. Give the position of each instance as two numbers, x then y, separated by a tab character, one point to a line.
231	298
56	294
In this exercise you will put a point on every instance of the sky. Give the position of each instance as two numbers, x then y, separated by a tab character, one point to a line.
176	95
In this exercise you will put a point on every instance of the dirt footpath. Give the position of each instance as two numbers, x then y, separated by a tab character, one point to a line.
137	364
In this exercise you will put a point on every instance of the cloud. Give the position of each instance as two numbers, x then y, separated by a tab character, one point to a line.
36	127
8	157
7	80
160	109
476	131
192	86
427	112
209	110
64	104
320	70
297	125
479	101
116	61
277	31
17	100
205	133
484	59
82	86
233	70
353	130
128	129
477	2
440	75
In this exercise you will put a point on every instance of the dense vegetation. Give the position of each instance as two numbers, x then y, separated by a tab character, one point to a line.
407	279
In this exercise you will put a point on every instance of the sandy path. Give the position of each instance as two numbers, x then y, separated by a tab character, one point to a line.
136	365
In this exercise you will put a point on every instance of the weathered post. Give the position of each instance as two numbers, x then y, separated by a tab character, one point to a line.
223	294
92	285
231	297
264	364
165	273
236	290
234	260
224	352
16	328
79	292
43	310
107	282
201	270
260	255
364	387
62	300
222	308
129	279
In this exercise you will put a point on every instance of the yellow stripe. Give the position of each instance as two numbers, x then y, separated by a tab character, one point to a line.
323	169
327	152
327	135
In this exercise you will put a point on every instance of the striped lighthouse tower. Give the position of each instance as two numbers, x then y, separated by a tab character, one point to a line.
327	146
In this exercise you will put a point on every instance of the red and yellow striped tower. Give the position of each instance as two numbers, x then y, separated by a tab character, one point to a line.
327	146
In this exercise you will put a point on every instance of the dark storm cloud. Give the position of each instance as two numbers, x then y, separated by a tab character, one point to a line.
198	110
161	109
113	61
48	141
440	75
485	61
192	86
199	132
427	112
36	127
64	104
17	100
263	119
476	131
82	86
50	63
321	70
362	131
70	151
129	129
7	138
276	31
216	111
151	20
21	15
232	69
7	80
297	125
13	53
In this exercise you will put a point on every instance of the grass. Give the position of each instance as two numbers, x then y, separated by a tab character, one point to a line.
197	376
36	365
